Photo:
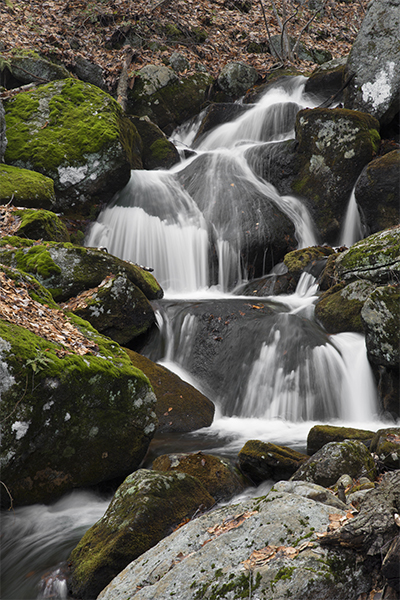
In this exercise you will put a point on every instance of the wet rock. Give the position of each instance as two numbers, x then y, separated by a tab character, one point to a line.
386	444
333	460
262	460
219	477
217	114
377	192
319	435
326	81
236	78
375	87
381	316
158	152
307	259
144	509
41	225
75	134
26	188
180	406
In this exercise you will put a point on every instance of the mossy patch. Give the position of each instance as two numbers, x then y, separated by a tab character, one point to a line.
298	260
27	188
320	435
42	225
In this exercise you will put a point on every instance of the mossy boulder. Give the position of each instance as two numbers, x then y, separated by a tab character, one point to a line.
339	308
377	192
335	459
41	225
117	308
306	258
180	406
77	135
69	418
386	444
68	270
334	145
319	435
144	509
27	66
376	258
381	317
260	461
220	478
158	152
167	100
26	188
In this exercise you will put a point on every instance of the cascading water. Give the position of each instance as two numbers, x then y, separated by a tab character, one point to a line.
205	227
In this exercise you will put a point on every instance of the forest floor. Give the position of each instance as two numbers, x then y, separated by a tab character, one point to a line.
209	33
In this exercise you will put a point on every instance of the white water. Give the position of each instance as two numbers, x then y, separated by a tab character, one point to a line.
352	229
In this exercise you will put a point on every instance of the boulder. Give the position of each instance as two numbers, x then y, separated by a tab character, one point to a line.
310	260
158	152
377	192
309	490
375	258
335	459
260	461
326	81
117	308
41	225
236	78
180	406
68	270
386	444
218	114
144	509
179	62
375	86
3	136
90	72
26	188
334	145
339	308
27	66
247	550
381	317
319	435
219	477
75	134
74	410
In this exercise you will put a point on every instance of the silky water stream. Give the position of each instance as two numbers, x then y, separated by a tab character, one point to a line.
272	375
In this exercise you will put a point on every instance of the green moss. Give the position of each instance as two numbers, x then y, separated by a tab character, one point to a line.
42	224
375	139
160	149
284	573
297	260
28	188
37	260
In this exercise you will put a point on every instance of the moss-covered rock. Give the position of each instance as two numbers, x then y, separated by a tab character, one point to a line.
381	317
69	419
319	435
349	457
76	134
262	460
333	148
26	188
41	225
376	258
143	510
217	474
386	444
27	66
180	406
339	308
158	152
68	270
298	260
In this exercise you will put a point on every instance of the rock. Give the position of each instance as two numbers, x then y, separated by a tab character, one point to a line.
180	406
26	188
311	491
381	316
333	460
179	62
68	270
334	145
388	387
230	551
41	225
75	412
377	192
89	72
270	285
386	444
375	87
221	480
319	435
262	460
236	78
303	53
75	134
28	66
339	308
3	137
117	308
217	114
305	259
375	258
144	509
326	81
158	152
390	565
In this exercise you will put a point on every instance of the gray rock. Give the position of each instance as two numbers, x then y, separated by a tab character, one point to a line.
29	67
156	77
335	459
309	490
179	62
236	78
89	72
374	60
381	317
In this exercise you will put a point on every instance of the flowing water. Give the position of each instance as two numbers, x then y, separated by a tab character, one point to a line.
274	373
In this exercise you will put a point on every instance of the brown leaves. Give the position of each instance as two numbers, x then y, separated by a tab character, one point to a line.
228	524
259	558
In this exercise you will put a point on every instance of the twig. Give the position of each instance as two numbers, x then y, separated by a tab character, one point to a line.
268	34
295	48
9	495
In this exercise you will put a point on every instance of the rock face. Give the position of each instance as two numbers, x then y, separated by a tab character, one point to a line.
227	553
381	318
75	412
375	87
335	459
27	188
261	461
377	192
75	134
180	406
144	509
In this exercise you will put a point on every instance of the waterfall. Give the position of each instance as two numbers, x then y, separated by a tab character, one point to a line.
352	229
